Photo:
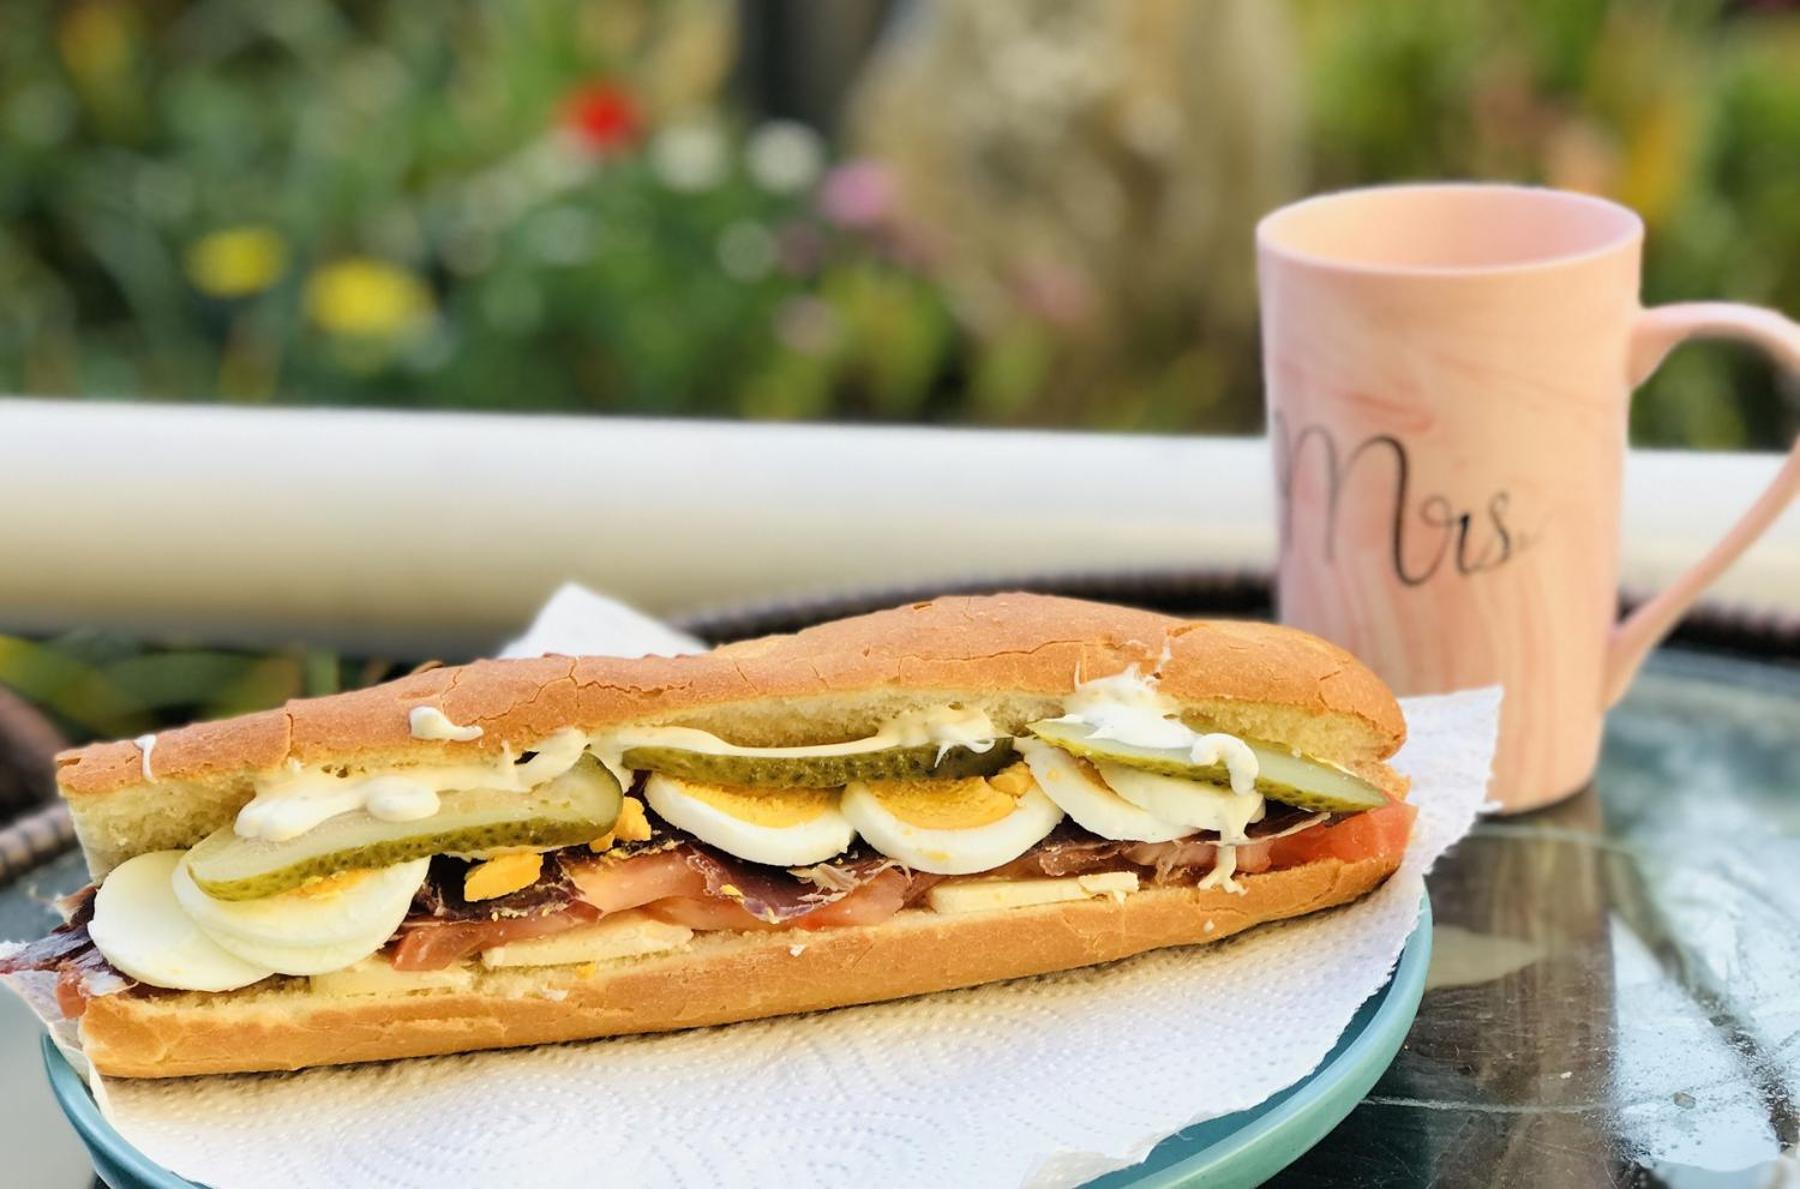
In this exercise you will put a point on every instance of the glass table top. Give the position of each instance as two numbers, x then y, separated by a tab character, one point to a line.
1615	983
1615	986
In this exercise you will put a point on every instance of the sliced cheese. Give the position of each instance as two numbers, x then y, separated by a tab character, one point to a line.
987	895
623	935
375	975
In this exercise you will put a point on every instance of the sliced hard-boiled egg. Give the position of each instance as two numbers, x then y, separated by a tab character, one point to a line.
781	827
1079	792
141	928
316	928
952	827
1189	803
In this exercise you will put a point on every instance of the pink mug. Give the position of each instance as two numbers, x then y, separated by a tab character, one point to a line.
1448	369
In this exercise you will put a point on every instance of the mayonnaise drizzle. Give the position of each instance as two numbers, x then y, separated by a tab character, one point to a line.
428	722
1128	709
1224	867
294	801
146	745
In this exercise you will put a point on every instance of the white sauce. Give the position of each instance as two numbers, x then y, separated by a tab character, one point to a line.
428	722
1224	867
293	802
398	799
1128	709
146	745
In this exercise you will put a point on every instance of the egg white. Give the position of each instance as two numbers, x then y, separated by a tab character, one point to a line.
1190	803
951	851
141	928
301	932
1093	805
812	841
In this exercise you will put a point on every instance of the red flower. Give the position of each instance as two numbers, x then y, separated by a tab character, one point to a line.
603	115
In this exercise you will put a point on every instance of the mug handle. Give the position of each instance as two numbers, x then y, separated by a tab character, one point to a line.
1655	333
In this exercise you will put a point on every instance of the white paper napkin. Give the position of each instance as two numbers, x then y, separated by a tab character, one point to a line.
577	622
1043	1081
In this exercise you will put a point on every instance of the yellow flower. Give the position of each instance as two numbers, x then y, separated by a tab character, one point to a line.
95	39
1662	140
237	261
363	298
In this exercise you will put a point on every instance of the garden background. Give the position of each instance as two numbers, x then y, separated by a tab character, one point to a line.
994	212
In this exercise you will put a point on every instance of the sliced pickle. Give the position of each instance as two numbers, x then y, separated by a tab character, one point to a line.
578	806
1304	783
822	772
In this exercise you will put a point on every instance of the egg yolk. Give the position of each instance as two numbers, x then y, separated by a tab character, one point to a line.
954	804
764	807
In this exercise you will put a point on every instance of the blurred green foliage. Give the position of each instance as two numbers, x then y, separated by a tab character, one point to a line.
109	686
1686	110
551	204
535	205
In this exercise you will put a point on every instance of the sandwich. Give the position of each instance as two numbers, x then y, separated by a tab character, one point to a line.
520	852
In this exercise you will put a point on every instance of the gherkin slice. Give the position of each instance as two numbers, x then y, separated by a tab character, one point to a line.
829	771
580	805
1296	780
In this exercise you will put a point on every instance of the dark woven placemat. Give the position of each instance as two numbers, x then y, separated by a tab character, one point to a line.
1236	593
36	838
1762	635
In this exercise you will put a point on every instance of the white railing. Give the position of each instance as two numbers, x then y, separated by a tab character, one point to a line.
410	531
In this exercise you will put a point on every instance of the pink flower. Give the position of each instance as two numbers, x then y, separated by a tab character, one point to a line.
1054	292
857	195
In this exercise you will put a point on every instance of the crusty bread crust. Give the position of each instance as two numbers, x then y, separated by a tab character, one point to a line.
1013	655
717	979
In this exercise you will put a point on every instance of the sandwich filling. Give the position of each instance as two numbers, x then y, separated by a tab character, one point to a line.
604	848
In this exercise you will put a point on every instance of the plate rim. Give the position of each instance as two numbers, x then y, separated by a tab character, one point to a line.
110	1150
1311	1104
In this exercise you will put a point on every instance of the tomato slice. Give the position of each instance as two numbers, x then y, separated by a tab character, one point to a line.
1376	833
606	887
870	904
616	886
705	913
435	945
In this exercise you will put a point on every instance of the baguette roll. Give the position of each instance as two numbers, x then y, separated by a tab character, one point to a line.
1015	659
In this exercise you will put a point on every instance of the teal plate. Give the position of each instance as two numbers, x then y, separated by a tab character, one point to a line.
1251	1146
119	1164
1241	1149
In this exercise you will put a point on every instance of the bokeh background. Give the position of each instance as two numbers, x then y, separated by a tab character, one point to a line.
1003	212
995	212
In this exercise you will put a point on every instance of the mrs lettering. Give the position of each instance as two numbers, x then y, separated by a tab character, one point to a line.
1472	540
